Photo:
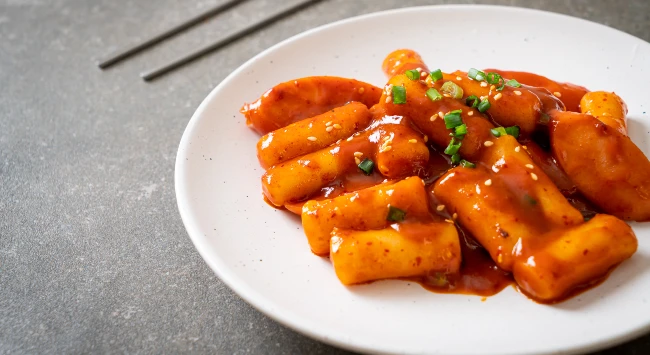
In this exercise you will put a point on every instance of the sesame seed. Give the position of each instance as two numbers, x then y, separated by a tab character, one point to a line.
449	221
470	113
482	98
413	140
441	115
426	139
454	216
446	95
312	138
423	82
328	124
357	160
337	126
358	154
423	183
329	129
530	166
488	182
488	143
523	146
440	208
361	90
418	69
459	78
388	99
433	118
517	92
492	87
497	96
534	176
557	94
484	84
387	148
517	149
350	138
423	74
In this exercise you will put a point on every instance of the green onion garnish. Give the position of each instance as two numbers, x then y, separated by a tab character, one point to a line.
513	131
498	132
412	74
476	74
466	164
395	214
436	75
530	199
460	131
452	89
455	159
366	166
453	147
496	79
493	78
399	95
433	94
472	101
484	105
544	118
513	83
453	119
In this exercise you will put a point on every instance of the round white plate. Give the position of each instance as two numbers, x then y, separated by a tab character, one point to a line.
262	254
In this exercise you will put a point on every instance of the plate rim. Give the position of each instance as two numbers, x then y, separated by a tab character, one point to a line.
287	318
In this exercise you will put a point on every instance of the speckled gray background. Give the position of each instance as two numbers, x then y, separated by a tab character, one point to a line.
93	254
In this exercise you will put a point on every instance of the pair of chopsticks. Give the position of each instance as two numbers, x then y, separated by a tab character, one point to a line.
218	43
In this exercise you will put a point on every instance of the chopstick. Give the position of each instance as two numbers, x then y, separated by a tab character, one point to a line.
223	41
127	52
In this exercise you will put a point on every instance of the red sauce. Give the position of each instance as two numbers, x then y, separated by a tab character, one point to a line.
570	94
478	274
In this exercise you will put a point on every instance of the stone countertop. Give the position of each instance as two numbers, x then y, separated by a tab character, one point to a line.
93	254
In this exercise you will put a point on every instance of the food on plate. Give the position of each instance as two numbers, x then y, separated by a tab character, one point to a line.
465	182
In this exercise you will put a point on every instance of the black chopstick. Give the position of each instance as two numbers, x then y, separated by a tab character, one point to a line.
231	37
127	52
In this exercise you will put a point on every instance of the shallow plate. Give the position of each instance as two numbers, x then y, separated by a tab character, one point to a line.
262	254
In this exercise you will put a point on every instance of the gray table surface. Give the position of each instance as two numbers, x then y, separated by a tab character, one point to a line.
93	254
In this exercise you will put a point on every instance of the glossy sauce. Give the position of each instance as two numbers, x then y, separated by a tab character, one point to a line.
479	274
570	94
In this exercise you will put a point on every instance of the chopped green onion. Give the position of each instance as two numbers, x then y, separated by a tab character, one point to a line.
460	131
412	74
472	101
493	78
453	119
366	166
453	147
544	118
438	279
498	132
466	164
452	89
395	214
484	105
455	159
513	131
399	95
476	74
433	94
496	79
436	75
530	199
513	83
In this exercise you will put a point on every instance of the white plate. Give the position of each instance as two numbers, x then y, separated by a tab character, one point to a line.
262	254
